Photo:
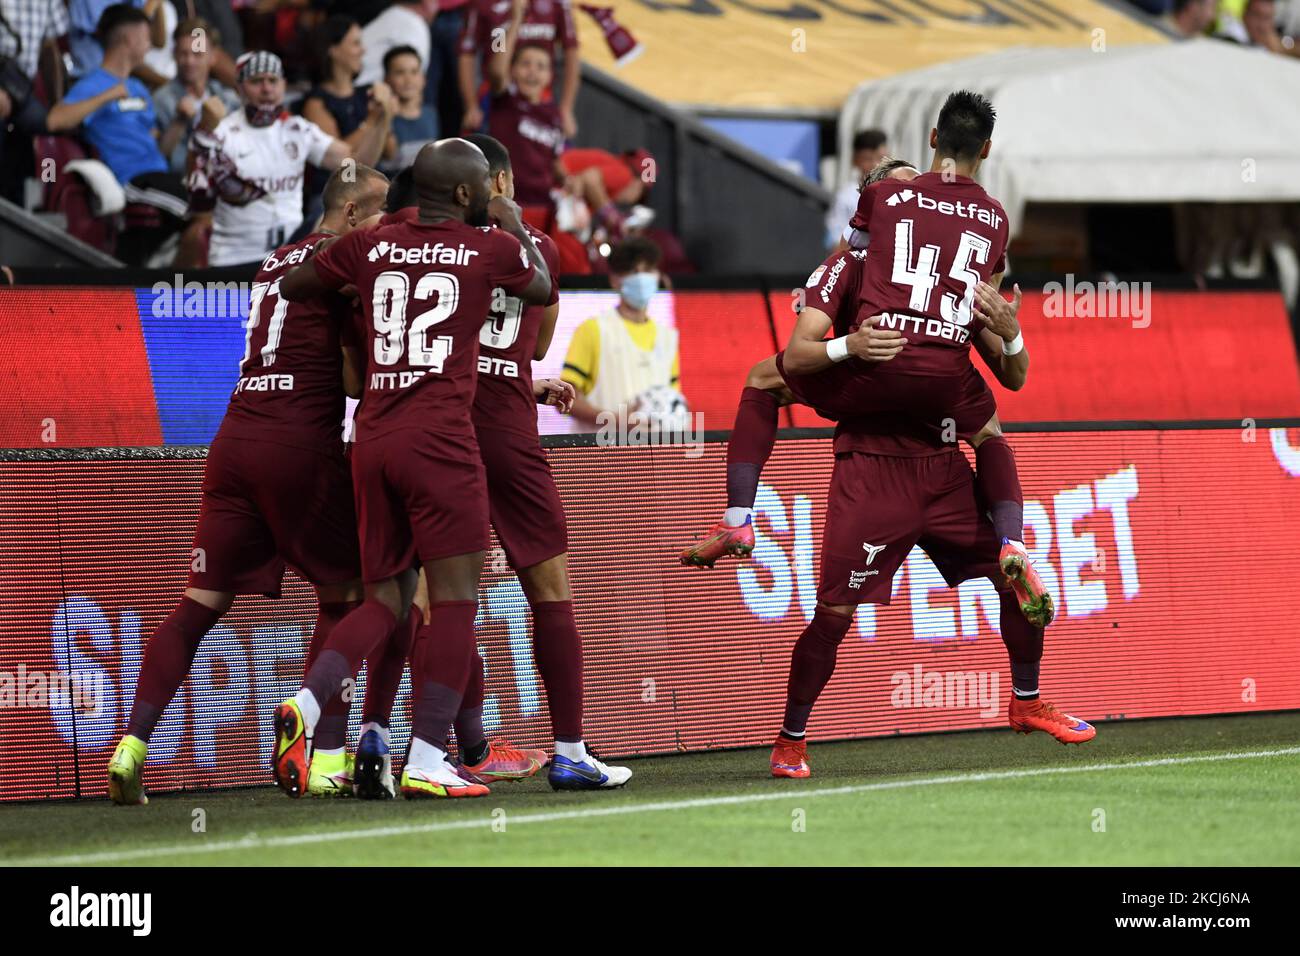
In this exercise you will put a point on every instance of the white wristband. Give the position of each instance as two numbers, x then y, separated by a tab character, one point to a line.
1015	346
837	350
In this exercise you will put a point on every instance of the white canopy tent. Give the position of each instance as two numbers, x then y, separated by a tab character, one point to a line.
1201	120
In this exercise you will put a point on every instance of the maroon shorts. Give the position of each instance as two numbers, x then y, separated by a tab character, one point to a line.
266	505
955	406
879	507
525	506
421	495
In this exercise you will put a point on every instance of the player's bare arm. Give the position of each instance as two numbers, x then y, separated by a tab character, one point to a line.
302	283
507	216
354	371
999	343
809	352
546	332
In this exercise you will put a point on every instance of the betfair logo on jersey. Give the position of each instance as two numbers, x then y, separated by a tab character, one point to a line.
831	279
423	255
962	210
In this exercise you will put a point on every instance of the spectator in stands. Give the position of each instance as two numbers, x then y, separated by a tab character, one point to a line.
116	114
615	357
26	27
529	125
402	24
249	173
544	24
1191	18
611	185
442	76
87	49
194	93
869	148
358	115
414	123
1254	24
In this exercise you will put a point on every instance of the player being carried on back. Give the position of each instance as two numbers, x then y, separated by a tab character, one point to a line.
903	335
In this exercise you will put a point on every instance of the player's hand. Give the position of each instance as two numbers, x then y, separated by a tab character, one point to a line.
506	213
212	112
873	344
472	119
555	392
996	313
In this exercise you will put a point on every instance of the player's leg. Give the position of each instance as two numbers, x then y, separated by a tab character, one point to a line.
233	552
441	664
167	660
962	543
873	516
752	438
528	515
386	550
331	770
373	770
999	485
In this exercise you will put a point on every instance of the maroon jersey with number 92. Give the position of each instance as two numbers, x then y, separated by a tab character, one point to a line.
290	387
425	289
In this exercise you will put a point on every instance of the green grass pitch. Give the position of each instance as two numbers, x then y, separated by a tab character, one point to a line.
1202	791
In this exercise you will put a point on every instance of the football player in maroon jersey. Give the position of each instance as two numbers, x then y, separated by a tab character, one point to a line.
425	286
276	487
528	517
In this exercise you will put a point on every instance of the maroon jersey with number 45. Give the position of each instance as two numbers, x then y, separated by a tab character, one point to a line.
933	239
425	288
290	387
507	343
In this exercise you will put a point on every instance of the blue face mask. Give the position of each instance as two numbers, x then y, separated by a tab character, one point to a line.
637	288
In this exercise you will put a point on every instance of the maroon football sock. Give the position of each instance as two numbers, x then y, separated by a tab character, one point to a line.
811	666
752	439
999	485
332	728
1024	646
470	737
440	666
385	669
557	648
167	660
354	637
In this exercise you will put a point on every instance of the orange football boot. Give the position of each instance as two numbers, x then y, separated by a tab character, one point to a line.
1026	716
292	758
504	762
1035	603
721	539
790	758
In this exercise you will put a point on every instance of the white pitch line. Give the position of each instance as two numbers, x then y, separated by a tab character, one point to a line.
253	842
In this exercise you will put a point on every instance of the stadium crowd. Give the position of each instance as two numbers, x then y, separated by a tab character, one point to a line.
147	99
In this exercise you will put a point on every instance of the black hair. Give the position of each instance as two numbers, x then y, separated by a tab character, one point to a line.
401	191
498	156
624	257
330	33
869	139
965	124
397	51
113	19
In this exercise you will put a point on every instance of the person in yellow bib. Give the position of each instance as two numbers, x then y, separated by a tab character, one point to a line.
615	357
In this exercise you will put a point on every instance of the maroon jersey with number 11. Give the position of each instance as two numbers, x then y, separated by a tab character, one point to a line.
290	387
